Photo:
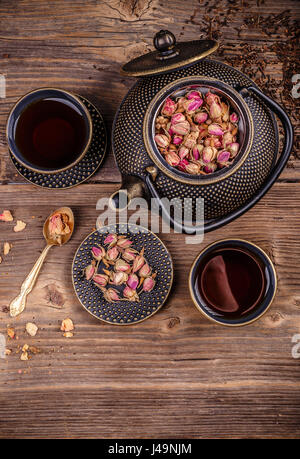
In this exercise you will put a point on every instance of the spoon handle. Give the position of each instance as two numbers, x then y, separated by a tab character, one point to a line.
18	304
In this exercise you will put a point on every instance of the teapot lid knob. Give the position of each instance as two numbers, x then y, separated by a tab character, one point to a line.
164	41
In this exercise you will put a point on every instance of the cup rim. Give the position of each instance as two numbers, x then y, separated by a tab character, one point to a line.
88	142
149	120
249	245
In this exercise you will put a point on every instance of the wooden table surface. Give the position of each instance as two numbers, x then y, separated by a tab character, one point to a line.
175	375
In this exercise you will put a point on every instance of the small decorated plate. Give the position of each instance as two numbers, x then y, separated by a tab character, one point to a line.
122	274
82	171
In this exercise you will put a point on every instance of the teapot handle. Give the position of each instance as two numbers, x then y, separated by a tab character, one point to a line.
279	166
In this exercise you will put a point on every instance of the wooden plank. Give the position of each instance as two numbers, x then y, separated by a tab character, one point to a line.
175	375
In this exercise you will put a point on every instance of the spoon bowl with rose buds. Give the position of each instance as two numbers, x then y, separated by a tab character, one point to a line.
57	230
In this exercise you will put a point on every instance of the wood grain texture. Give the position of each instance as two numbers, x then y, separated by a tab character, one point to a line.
175	375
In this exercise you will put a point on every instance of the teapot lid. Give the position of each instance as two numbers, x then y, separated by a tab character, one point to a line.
169	55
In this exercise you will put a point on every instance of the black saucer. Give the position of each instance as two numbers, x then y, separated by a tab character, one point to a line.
81	171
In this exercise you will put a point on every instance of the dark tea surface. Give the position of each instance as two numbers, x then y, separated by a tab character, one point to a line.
231	281
51	133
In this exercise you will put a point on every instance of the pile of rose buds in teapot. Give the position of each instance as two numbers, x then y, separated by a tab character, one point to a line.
197	133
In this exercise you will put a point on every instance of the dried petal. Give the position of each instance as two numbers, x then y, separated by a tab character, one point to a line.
20	226
67	325
6	216
6	248
31	328
11	332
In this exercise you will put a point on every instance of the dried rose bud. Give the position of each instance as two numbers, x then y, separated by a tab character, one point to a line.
210	98
200	117
214	129
215	110
89	272
177	118
183	152
169	107
133	281
138	263
100	279
6	216
162	140
124	243
197	150
119	278
121	265
129	254
227	139
233	148
110	239
194	95
130	294
177	139
172	158
145	271
148	284
110	295
112	253
209	168
208	154
181	128
182	165
98	253
234	117
223	156
192	168
217	143
190	140
192	105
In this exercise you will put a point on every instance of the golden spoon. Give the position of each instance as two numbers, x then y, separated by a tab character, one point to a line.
18	304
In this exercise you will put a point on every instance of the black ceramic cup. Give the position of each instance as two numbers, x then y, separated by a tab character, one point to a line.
232	282
49	130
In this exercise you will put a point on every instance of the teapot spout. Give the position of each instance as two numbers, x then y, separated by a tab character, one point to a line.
132	187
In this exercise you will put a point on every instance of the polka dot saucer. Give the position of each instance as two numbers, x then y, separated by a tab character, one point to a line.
124	312
84	169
